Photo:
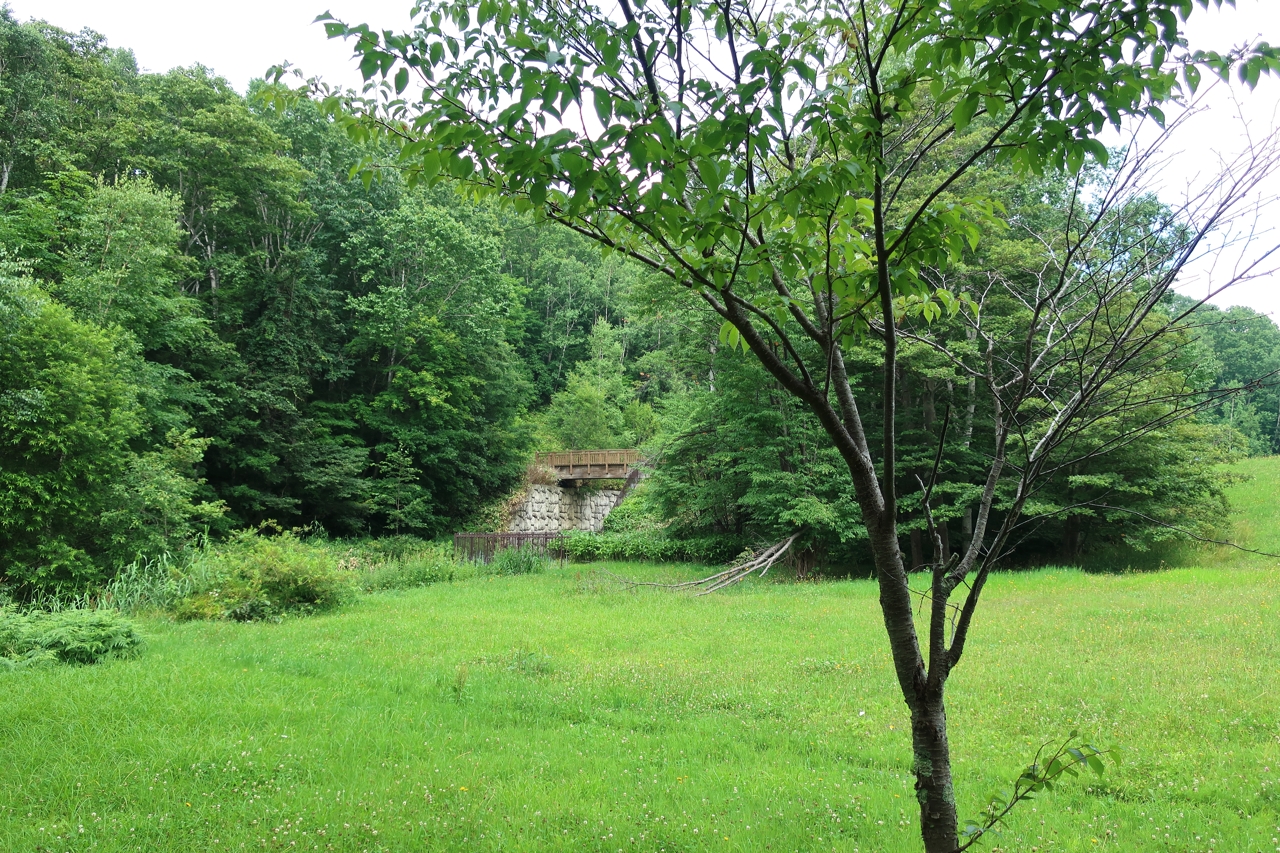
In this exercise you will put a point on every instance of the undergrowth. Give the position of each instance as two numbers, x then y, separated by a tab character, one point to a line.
36	637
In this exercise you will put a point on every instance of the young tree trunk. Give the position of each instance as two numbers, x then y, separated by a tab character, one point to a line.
932	768
1070	548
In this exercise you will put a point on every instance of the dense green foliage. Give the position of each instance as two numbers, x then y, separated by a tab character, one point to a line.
65	636
258	577
254	576
651	546
207	326
74	494
1239	346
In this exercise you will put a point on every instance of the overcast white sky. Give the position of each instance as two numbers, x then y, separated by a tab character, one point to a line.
240	39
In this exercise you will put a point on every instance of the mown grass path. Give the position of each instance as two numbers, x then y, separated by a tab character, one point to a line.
560	712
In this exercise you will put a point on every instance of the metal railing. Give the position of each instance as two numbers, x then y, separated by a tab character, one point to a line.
480	547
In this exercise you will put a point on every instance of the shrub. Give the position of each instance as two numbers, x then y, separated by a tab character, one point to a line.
651	546
66	636
388	548
257	577
636	513
410	572
294	576
518	561
261	577
398	562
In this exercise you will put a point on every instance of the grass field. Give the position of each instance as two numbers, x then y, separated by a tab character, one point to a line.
560	712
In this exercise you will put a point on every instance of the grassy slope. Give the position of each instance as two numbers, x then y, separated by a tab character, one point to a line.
558	712
1257	504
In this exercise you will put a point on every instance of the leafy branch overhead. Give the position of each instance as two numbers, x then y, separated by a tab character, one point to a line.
726	143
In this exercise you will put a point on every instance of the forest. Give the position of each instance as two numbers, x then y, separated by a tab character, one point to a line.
211	326
866	288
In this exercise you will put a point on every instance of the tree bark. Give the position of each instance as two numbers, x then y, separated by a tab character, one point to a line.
1071	539
932	768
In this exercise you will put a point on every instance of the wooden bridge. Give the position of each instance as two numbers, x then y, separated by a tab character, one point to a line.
591	464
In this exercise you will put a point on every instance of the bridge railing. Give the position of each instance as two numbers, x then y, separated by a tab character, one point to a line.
577	458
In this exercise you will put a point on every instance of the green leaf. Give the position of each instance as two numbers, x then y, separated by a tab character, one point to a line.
1192	76
964	110
1075	159
710	174
1098	150
604	104
725	328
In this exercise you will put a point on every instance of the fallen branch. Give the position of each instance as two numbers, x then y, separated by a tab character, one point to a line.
759	561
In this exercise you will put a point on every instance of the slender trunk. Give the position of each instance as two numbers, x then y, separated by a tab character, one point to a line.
5	169
1071	539
966	521
972	336
923	695
932	768
711	371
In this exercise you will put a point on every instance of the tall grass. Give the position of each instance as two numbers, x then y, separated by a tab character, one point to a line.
158	583
175	583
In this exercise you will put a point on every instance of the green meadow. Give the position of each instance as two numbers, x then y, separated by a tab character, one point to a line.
562	711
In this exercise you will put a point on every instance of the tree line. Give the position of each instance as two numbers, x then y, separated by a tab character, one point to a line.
209	325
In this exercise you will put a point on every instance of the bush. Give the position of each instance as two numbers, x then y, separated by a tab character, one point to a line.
518	561
363	552
410	572
397	562
258	577
635	514
66	636
651	546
